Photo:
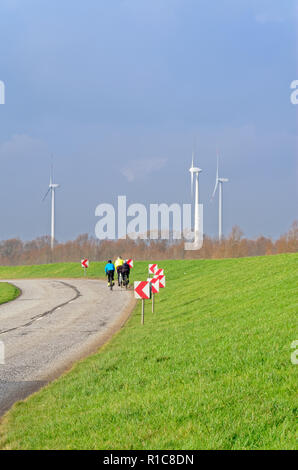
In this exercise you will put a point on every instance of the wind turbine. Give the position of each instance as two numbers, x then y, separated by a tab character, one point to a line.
52	188
195	171
218	183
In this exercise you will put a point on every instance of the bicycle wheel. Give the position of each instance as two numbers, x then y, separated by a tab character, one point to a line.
111	281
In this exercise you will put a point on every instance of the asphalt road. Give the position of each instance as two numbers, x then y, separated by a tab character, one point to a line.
50	326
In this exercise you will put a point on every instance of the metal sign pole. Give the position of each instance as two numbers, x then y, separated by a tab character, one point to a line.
143	311
152	303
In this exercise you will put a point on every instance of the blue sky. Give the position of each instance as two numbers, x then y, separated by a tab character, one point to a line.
119	91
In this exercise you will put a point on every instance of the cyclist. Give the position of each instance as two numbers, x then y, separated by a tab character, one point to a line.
118	266
110	271
125	273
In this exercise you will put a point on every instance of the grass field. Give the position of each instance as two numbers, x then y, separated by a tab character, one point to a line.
210	369
8	292
54	270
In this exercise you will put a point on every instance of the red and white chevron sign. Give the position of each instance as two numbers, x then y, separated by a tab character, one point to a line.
162	281
159	272
130	263
154	285
85	263
142	289
153	268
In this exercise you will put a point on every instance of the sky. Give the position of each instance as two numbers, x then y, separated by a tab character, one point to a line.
120	92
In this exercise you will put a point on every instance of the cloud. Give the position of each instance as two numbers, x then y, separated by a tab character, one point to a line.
21	146
137	169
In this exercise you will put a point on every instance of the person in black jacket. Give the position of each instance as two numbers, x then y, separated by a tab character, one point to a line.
125	273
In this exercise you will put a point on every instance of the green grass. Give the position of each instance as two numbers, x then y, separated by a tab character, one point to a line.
210	369
8	292
54	270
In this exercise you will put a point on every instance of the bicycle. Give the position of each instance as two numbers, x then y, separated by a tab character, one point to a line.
120	280
125	280
111	279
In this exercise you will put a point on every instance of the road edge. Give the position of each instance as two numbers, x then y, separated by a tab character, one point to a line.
97	344
20	292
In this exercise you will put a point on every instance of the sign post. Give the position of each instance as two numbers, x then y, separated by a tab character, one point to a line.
152	268
85	265
159	272
154	289
143	311
142	290
162	281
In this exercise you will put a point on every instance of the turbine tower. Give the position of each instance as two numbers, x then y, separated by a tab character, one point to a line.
52	188
218	183
195	171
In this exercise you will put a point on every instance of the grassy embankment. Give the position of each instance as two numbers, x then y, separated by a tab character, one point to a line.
55	270
210	369
8	292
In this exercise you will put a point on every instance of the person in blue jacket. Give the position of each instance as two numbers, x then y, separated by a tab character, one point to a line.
110	271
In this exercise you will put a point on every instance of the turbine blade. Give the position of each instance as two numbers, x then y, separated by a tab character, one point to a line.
216	181
46	194
191	174
215	188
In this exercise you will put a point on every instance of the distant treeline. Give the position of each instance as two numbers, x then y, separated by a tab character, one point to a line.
235	245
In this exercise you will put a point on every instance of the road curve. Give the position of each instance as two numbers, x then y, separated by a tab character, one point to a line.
51	325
